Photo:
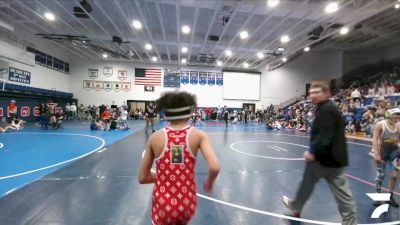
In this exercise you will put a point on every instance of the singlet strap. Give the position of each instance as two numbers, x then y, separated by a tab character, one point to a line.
165	144
387	128
187	142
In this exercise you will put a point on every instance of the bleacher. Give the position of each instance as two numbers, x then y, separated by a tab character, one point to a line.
32	90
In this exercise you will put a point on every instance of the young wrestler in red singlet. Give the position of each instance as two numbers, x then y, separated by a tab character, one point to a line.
174	150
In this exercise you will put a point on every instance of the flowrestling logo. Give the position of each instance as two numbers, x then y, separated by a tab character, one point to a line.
379	197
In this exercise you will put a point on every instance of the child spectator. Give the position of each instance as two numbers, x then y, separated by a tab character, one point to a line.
106	117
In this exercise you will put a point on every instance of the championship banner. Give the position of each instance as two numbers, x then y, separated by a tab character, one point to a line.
203	78
108	71
108	85
20	76
1	112
88	85
219	78
126	86
172	79
117	86
184	77
93	73
149	88
122	74
194	77
98	85
211	78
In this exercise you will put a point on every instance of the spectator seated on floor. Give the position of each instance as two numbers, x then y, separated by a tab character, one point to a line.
56	120
17	124
96	125
113	123
4	126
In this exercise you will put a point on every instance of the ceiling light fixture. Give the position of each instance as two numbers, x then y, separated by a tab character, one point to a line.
397	6
281	49
105	55
285	39
154	59
49	16
344	30
228	53
307	49
148	46
183	61
272	3
185	29
137	24
219	63
184	49
244	34
332	7
260	55
246	65
284	59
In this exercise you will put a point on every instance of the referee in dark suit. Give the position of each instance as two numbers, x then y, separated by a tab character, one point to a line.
327	157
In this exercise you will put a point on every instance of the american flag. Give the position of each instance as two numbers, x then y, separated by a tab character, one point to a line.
151	77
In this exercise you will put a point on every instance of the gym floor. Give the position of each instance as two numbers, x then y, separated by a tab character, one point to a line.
75	176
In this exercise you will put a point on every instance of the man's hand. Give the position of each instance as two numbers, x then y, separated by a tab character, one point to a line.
308	156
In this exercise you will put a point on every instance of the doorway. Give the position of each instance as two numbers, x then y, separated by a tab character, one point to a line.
251	106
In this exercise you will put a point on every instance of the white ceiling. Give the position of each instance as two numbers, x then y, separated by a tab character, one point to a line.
162	20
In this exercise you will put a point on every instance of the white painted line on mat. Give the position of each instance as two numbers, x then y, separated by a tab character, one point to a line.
103	142
263	156
276	214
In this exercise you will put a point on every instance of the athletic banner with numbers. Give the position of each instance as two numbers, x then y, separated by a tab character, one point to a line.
194	77
172	79
203	78
184	77
219	77
211	78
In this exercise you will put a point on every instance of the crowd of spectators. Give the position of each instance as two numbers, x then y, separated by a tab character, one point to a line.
14	123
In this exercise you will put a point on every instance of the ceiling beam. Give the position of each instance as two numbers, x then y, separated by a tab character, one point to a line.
253	12
59	45
120	33
178	24
216	10
196	16
226	26
354	22
276	27
162	24
134	32
144	21
61	31
322	19
83	25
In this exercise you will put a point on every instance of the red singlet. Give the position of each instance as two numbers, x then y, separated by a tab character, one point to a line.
174	194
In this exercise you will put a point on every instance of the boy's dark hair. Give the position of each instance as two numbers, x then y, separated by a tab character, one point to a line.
173	100
176	105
